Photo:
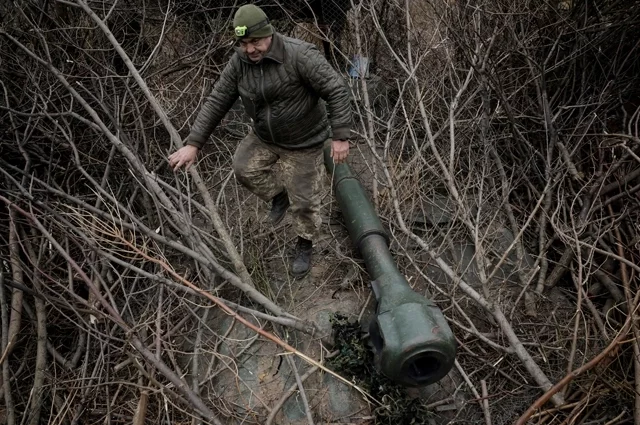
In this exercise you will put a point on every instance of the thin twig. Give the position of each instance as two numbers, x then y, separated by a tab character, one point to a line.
6	374
15	321
41	332
244	321
292	389
146	353
485	409
177	141
587	366
634	326
244	284
485	402
303	394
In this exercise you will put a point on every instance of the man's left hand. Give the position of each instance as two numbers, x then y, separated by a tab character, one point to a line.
339	150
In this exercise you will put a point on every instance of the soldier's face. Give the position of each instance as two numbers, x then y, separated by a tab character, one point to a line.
255	48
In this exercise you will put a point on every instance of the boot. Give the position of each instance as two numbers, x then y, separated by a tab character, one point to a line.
279	207
302	258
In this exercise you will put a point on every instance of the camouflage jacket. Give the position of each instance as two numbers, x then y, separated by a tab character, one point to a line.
286	94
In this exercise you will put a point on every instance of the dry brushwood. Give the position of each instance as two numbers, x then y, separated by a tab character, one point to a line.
500	144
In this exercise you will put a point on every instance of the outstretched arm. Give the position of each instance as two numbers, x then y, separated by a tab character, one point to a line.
215	107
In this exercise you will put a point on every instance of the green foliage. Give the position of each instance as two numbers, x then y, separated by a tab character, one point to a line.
355	361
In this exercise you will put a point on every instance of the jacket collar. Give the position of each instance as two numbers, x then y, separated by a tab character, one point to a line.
275	52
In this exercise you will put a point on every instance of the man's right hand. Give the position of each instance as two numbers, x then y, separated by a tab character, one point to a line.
186	156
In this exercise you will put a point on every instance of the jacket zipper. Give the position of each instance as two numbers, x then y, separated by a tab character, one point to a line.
267	103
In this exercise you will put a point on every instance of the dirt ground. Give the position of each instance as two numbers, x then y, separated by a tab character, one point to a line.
338	283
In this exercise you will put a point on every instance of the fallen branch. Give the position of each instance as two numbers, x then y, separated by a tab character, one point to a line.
303	394
177	141
485	402
292	389
115	316
217	301
242	284
474	391
524	356
532	367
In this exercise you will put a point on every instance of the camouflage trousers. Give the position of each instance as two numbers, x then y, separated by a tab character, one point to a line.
301	174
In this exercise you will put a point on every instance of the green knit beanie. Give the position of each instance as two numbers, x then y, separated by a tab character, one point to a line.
251	21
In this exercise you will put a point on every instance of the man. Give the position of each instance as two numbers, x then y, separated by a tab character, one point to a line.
286	87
